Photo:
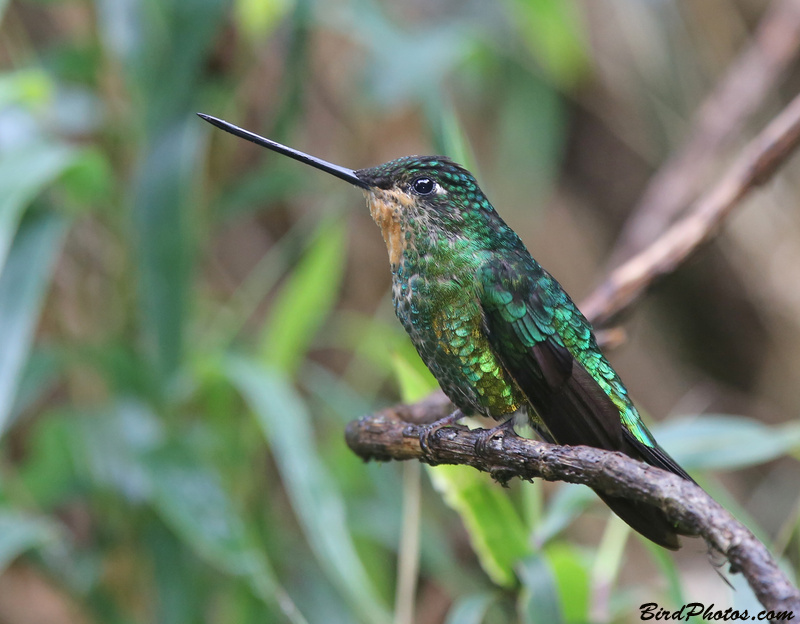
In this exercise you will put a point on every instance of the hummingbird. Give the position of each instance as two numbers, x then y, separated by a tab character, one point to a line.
498	332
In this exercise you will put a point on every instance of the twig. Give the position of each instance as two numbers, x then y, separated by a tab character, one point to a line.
759	161
385	436
748	81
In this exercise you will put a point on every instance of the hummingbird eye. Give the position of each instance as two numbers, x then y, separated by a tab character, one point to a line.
423	186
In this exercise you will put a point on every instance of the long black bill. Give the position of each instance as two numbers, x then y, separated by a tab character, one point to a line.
348	175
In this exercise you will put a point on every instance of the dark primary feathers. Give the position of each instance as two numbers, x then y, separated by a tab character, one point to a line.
546	345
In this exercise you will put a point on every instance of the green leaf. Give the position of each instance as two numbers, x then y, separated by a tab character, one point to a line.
414	384
89	180
23	175
496	531
315	499
173	572
306	299
31	88
108	445
433	51
449	136
538	601
553	31
572	581
568	503
725	442
609	558
48	474
39	374
193	502
20	531
144	35
23	283
258	18
669	569
125	449
533	127
162	241
470	609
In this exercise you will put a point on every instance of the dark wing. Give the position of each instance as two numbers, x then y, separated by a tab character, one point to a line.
535	330
521	320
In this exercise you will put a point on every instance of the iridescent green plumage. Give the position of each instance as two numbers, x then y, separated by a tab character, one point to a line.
497	331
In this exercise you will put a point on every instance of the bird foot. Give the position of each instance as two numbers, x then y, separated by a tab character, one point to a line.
487	435
427	431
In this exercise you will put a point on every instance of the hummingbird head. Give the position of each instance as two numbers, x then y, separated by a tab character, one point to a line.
409	198
426	196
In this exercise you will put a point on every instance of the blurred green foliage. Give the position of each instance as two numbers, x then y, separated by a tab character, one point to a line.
186	324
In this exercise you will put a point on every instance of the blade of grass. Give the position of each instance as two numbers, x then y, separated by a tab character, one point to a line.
554	33
408	552
23	175
567	504
538	600
23	283
193	502
470	609
722	441
606	567
413	387
20	531
572	581
162	242
228	321
144	35
315	499
306	299
496	531
670	571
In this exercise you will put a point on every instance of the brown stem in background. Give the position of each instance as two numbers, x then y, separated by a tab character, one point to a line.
387	435
757	164
751	77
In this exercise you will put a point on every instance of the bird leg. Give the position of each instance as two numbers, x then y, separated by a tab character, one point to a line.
427	431
487	435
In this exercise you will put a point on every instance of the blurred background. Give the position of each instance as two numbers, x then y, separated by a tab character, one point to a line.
187	322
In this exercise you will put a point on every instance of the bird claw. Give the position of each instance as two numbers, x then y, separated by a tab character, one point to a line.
487	435
427	431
